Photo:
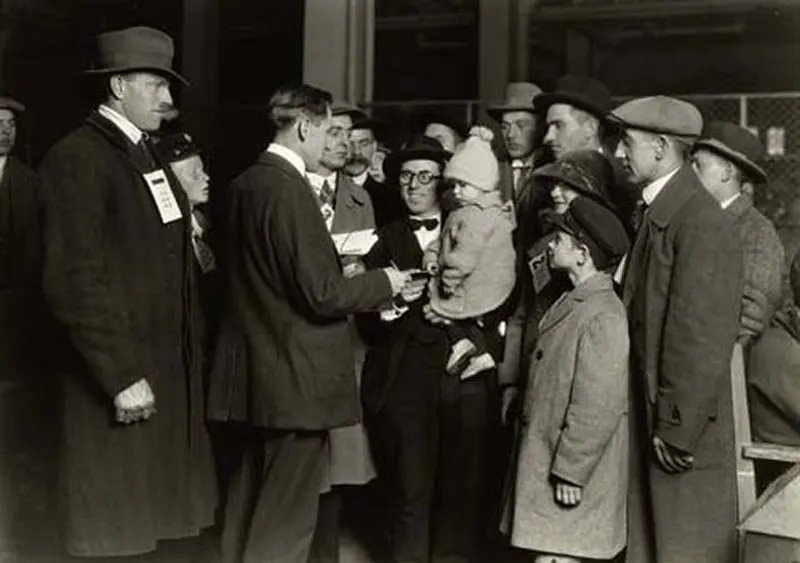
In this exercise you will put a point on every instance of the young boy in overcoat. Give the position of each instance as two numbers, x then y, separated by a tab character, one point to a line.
569	500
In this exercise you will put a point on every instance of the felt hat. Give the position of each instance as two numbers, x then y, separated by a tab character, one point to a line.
581	92
420	148
586	171
519	97
176	147
474	162
735	144
7	102
660	114
135	49
598	228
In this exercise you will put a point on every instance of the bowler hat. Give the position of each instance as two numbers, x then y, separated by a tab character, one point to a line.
735	144
341	107
598	228
176	147
135	49
12	104
660	114
581	92
420	148
586	171
519	97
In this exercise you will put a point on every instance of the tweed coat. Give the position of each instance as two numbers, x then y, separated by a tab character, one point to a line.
120	285
763	259
682	288
284	360
574	425
351	460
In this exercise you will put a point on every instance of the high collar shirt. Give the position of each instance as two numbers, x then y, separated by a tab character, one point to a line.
728	202
651	191
124	124
289	155
361	178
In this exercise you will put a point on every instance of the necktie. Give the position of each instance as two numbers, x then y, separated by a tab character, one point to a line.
428	224
326	194
637	217
520	172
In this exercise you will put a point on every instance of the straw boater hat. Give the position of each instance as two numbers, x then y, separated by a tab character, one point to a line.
135	49
736	144
519	97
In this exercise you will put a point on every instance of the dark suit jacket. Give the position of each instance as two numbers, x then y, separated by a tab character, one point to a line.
386	201
683	287
284	359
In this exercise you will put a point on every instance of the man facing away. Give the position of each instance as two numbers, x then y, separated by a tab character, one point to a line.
284	364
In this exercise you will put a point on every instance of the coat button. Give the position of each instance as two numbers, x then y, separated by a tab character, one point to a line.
539	354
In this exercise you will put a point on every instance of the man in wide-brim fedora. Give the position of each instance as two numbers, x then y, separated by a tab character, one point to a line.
137	464
724	158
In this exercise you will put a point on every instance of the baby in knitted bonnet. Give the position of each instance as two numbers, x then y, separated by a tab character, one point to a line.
473	261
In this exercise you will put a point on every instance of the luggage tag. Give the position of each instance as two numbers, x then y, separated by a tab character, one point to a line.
162	194
540	271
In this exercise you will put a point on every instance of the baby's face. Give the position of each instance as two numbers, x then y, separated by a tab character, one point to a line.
465	193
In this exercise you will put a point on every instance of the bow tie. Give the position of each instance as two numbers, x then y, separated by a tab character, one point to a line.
417	224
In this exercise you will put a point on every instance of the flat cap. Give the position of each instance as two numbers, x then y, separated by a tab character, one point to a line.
598	228
660	114
342	107
735	144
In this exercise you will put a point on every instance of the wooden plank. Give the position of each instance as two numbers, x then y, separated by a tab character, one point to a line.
772	452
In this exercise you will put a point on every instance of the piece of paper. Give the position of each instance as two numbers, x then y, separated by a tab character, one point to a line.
163	197
355	243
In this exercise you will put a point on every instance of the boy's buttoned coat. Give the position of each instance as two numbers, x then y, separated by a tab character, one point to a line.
574	425
683	288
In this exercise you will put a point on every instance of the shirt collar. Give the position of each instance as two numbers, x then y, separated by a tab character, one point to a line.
289	155
651	191
317	180
437	215
727	203
526	162
361	178
123	123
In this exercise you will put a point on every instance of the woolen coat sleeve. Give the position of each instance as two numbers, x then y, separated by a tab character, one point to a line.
700	328
81	283
304	251
598	398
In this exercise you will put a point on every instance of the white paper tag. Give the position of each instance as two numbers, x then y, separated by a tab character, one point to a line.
540	271
162	194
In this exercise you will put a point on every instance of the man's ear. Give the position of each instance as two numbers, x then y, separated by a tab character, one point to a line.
730	171
662	142
303	126
584	254
116	85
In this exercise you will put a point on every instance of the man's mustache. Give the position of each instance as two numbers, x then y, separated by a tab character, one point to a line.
360	159
169	111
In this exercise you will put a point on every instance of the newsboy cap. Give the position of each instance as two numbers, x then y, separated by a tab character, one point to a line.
135	49
7	102
598	228
736	144
660	114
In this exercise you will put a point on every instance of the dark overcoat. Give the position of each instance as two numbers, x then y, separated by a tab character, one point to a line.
119	283
285	359
682	288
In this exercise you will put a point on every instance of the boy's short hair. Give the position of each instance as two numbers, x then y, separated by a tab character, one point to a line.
288	103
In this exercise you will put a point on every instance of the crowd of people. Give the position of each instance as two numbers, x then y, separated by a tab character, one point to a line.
516	332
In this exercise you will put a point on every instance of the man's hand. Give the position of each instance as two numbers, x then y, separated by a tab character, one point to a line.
413	290
134	403
671	459
397	279
566	493
509	404
353	269
755	311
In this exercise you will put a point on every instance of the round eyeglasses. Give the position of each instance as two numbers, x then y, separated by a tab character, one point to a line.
424	177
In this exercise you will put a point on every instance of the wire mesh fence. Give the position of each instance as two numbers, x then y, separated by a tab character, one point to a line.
774	117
